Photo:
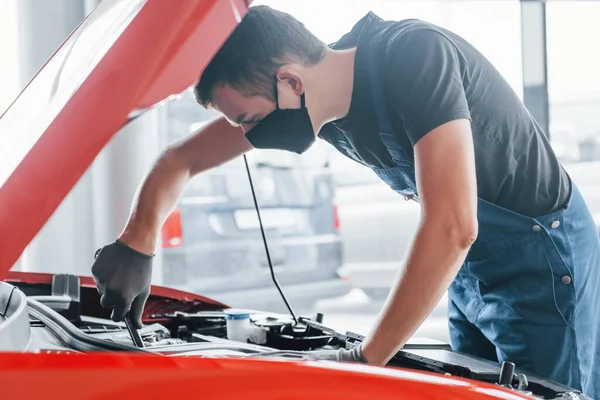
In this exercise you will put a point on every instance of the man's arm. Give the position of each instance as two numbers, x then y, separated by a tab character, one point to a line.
445	172
215	144
123	270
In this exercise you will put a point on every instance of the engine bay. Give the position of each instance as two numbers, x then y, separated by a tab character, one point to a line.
55	323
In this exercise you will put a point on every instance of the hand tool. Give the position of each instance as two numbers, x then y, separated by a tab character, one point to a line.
136	338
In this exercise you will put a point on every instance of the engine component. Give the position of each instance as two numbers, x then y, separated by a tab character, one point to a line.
15	332
238	325
507	373
319	318
67	333
66	285
289	335
523	382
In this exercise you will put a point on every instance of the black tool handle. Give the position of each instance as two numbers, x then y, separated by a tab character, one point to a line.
136	338
507	372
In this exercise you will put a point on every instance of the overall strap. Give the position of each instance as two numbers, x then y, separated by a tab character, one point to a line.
376	84
384	120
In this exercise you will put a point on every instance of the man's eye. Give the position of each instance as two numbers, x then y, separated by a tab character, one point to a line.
254	120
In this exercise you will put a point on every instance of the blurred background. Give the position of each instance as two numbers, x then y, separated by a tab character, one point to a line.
337	236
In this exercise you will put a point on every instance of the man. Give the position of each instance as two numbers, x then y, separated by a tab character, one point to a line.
502	227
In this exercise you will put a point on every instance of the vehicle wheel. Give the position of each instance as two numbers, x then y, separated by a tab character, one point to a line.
377	293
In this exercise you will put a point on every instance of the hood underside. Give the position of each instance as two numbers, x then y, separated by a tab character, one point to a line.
123	58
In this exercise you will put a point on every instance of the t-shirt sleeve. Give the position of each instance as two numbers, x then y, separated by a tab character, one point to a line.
426	81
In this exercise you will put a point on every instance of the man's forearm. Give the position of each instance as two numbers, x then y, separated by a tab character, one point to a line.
154	200
216	143
433	261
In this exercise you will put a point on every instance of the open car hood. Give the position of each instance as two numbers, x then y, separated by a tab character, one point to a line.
124	57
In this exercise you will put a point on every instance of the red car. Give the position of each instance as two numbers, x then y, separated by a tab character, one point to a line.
55	339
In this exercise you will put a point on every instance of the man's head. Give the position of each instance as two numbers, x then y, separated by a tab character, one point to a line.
262	61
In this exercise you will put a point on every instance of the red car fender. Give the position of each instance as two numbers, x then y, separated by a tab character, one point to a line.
115	376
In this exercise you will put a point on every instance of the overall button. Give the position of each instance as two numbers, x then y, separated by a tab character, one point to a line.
555	224
566	279
537	228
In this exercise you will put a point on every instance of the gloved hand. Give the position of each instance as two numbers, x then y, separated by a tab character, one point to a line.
353	355
123	277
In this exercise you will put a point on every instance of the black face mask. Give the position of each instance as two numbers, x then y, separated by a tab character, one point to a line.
288	129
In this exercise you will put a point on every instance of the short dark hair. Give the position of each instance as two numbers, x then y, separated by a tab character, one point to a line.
264	40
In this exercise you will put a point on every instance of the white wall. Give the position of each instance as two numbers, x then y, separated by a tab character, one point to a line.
9	74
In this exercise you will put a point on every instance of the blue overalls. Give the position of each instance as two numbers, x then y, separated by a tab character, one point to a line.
529	290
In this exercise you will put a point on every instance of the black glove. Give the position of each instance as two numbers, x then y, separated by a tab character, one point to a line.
353	355
123	277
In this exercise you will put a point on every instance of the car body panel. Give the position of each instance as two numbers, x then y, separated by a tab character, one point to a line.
75	376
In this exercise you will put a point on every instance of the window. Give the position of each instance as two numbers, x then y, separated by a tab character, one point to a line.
574	91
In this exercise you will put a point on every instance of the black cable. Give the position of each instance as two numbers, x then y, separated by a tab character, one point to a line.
264	237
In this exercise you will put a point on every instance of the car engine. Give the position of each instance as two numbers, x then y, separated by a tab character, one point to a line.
38	322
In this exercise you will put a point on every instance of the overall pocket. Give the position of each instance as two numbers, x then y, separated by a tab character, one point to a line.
529	280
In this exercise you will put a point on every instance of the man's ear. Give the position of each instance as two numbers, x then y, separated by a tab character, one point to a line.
290	76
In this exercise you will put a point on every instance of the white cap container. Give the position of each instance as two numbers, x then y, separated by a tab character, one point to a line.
238	325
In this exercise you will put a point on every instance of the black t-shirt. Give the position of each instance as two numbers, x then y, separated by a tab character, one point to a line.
433	76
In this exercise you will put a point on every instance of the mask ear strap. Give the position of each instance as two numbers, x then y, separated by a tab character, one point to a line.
302	99
276	94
